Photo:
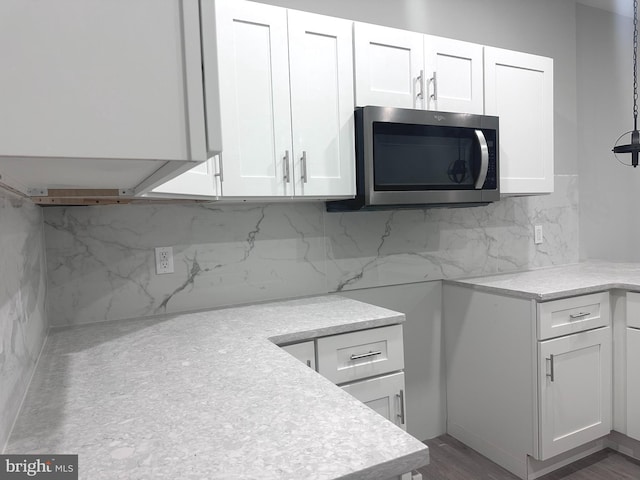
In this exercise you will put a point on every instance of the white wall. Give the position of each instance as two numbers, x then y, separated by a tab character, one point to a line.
609	192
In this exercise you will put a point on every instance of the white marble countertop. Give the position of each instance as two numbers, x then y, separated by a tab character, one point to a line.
558	282
208	395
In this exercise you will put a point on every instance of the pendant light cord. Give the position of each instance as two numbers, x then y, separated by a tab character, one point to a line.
634	146
635	64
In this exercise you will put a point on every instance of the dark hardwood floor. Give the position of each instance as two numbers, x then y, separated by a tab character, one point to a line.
452	460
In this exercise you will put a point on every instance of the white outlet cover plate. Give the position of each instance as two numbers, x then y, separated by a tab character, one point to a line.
164	260
537	234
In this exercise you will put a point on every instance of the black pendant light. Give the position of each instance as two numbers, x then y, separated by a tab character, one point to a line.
634	147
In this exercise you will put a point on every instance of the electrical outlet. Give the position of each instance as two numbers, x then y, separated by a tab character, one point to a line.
537	234
164	260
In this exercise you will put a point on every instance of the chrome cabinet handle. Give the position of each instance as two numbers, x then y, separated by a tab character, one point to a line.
220	172
434	80
551	375
420	93
303	162
401	414
309	363
484	159
287	177
579	315
365	355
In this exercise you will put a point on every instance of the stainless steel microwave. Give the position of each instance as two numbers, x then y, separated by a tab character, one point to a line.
417	158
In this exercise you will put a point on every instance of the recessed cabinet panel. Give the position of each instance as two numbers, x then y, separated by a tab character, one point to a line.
388	63
321	65
254	98
575	390
633	383
454	81
519	89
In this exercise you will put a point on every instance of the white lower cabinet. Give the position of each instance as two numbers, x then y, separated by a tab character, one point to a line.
383	394
527	380
633	383
574	390
369	365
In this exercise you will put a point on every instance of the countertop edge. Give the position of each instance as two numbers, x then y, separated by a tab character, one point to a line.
544	297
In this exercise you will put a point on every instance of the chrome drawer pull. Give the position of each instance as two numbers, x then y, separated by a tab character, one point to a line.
579	315
365	355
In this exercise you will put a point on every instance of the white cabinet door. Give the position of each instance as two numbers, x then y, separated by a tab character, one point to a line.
574	388
519	89
253	73
200	181
321	71
303	351
388	64
102	80
385	395
454	75
633	383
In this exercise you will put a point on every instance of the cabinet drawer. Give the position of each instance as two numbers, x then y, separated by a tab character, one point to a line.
352	356
571	315
633	309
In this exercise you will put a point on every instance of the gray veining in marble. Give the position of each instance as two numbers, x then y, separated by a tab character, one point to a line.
22	301
206	395
100	259
563	281
369	249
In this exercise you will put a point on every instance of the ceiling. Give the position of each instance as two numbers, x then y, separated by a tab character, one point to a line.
621	7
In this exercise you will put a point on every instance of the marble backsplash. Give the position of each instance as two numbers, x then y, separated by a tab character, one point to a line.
23	321
101	260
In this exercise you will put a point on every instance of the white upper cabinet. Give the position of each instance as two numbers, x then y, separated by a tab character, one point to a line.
286	103
519	89
398	68
388	66
89	82
321	71
253	75
453	75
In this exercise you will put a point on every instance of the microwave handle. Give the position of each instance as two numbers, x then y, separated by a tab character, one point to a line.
484	159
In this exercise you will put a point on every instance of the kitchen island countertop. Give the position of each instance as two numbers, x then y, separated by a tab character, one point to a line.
558	282
209	395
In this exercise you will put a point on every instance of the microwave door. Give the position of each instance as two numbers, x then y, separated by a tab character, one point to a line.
484	159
